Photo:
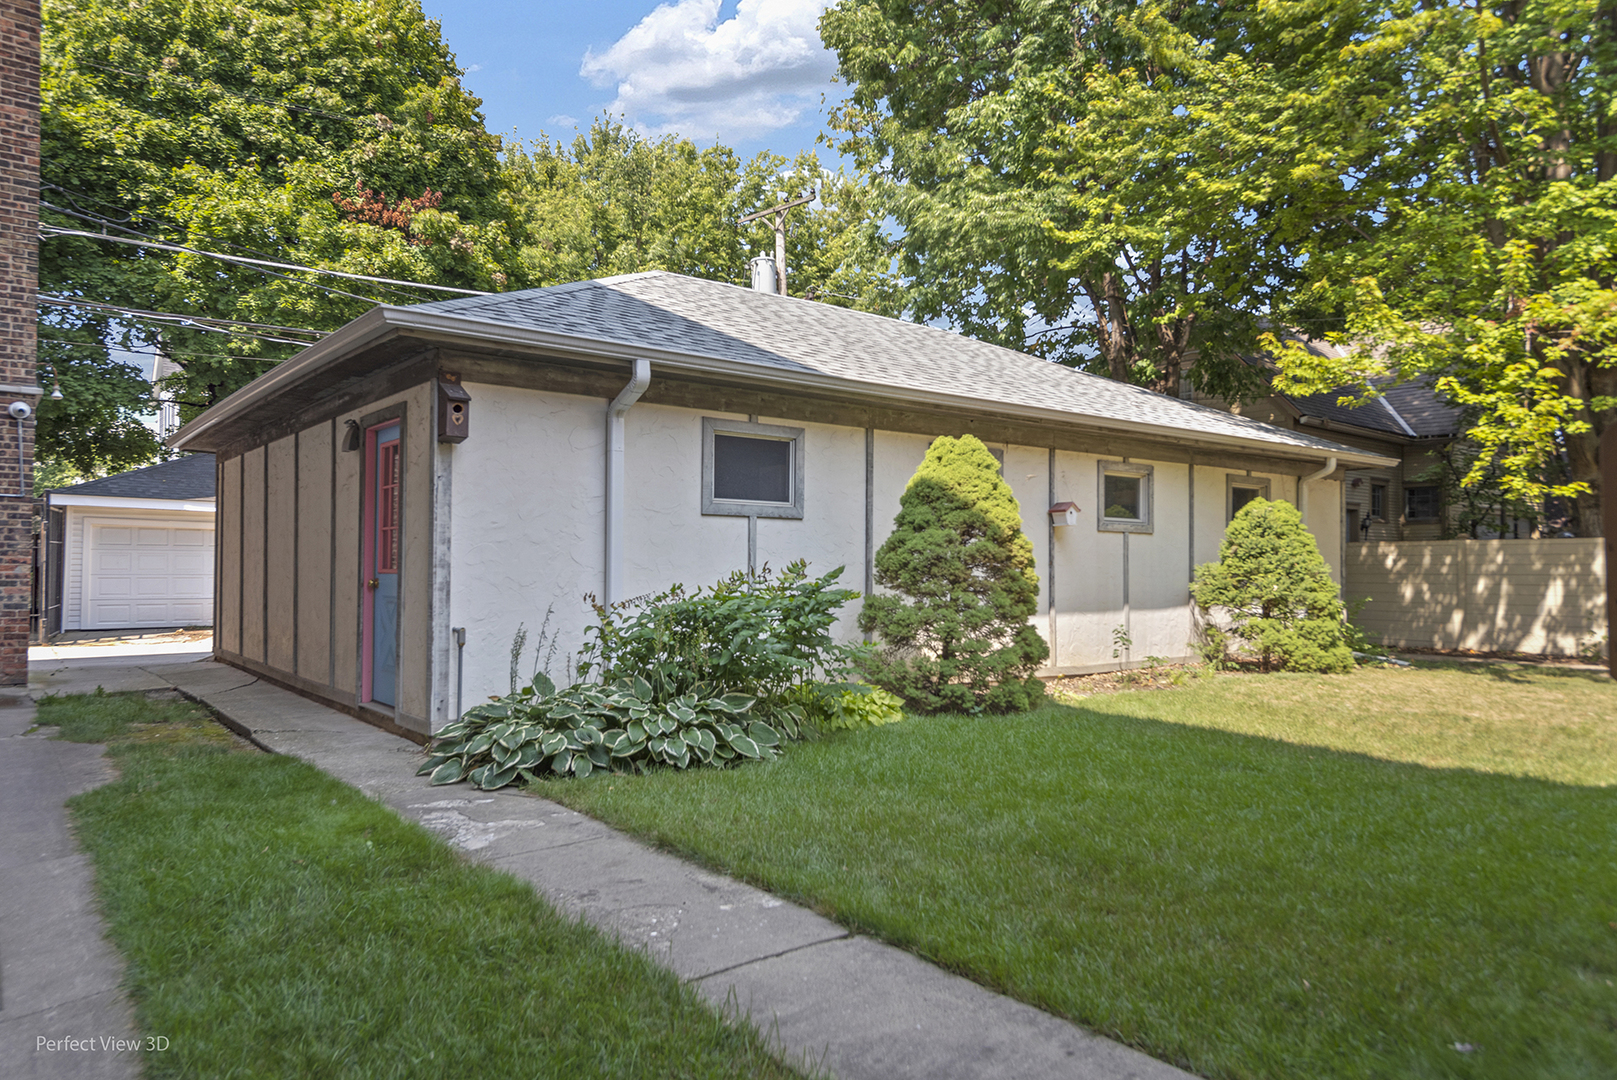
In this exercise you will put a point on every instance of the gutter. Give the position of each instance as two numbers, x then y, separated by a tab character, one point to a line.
1302	487
615	412
460	329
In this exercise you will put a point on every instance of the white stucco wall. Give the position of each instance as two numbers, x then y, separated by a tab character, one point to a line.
527	528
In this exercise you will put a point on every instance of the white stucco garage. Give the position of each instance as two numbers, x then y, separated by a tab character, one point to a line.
132	551
396	500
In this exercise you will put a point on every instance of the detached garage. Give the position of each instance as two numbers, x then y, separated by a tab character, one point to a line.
132	551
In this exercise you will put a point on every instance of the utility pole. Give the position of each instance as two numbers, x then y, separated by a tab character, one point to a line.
780	231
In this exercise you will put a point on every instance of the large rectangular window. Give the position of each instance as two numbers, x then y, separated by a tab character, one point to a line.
751	470
1422	503
1125	497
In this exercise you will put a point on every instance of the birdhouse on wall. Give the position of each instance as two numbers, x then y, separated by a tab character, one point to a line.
454	409
1064	513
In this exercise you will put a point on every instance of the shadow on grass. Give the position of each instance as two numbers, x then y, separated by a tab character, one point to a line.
1512	672
1240	904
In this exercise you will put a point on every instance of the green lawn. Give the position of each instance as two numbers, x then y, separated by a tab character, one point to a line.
1394	873
276	923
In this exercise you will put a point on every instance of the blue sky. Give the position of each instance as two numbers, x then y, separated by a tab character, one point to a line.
748	73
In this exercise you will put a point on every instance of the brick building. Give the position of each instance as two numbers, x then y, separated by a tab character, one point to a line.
19	286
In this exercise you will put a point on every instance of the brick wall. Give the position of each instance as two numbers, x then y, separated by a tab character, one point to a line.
19	277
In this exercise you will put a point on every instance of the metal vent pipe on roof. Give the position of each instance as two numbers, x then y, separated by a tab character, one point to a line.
765	276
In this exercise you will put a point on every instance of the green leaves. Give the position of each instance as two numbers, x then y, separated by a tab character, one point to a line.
577	732
961	588
1273	586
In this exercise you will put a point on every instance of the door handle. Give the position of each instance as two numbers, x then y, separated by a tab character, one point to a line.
372	583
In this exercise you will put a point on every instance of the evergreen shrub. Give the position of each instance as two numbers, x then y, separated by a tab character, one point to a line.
1274	589
953	625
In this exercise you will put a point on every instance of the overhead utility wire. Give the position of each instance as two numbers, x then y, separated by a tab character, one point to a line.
159	352
103	234
198	322
122	225
52	230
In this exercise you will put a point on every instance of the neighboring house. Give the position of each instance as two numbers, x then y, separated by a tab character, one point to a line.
132	551
1409	422
397	499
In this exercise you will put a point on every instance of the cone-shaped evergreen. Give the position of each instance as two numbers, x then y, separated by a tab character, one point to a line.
1273	584
953	629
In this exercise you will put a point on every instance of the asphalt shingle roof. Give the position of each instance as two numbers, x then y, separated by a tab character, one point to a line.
728	322
188	477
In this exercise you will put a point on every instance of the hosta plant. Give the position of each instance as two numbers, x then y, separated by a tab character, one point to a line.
589	728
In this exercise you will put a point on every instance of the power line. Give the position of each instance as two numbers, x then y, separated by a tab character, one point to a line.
199	322
159	352
103	234
52	230
122	225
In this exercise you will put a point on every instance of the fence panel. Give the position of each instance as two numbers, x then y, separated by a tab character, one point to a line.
1527	596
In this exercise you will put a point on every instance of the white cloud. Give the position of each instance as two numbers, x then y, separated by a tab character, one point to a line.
682	70
474	67
562	120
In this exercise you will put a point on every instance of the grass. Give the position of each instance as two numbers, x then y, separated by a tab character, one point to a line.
1395	873
276	923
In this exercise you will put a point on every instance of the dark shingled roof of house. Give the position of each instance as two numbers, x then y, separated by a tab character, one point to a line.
728	322
188	477
1412	409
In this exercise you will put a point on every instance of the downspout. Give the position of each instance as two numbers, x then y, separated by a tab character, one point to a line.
1304	481
615	413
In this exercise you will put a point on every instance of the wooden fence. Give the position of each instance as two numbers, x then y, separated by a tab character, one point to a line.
1526	596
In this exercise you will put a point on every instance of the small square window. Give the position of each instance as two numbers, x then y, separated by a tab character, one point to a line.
751	470
1421	503
1125	497
1240	490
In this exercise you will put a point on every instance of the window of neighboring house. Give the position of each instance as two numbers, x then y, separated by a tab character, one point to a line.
1421	503
1125	497
751	470
1240	490
1378	501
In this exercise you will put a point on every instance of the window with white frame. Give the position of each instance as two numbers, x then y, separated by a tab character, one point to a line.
1240	490
751	470
1125	497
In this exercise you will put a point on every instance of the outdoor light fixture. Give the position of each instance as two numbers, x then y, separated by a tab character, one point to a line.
350	438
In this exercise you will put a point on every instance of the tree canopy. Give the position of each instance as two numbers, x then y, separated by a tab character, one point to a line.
337	135
1132	186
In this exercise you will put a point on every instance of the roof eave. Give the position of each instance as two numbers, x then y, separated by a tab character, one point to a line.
383	320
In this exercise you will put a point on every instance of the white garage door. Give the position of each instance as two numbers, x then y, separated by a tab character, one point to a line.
147	573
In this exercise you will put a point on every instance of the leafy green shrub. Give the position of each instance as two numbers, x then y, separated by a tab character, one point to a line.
1272	583
751	634
588	728
954	628
679	679
847	706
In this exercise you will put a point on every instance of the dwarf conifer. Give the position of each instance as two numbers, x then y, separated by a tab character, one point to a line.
1274	587
953	625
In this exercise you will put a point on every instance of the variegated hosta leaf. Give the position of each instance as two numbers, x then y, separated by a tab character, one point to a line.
449	772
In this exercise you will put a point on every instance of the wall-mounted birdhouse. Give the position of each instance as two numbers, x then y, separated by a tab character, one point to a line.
454	408
1064	513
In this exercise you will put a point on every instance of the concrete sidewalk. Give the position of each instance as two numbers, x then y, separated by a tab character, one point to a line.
59	978
855	1007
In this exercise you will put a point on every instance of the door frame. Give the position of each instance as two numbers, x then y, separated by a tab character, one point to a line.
371	425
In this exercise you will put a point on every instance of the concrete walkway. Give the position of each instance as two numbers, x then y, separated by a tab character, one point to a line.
851	1005
59	978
